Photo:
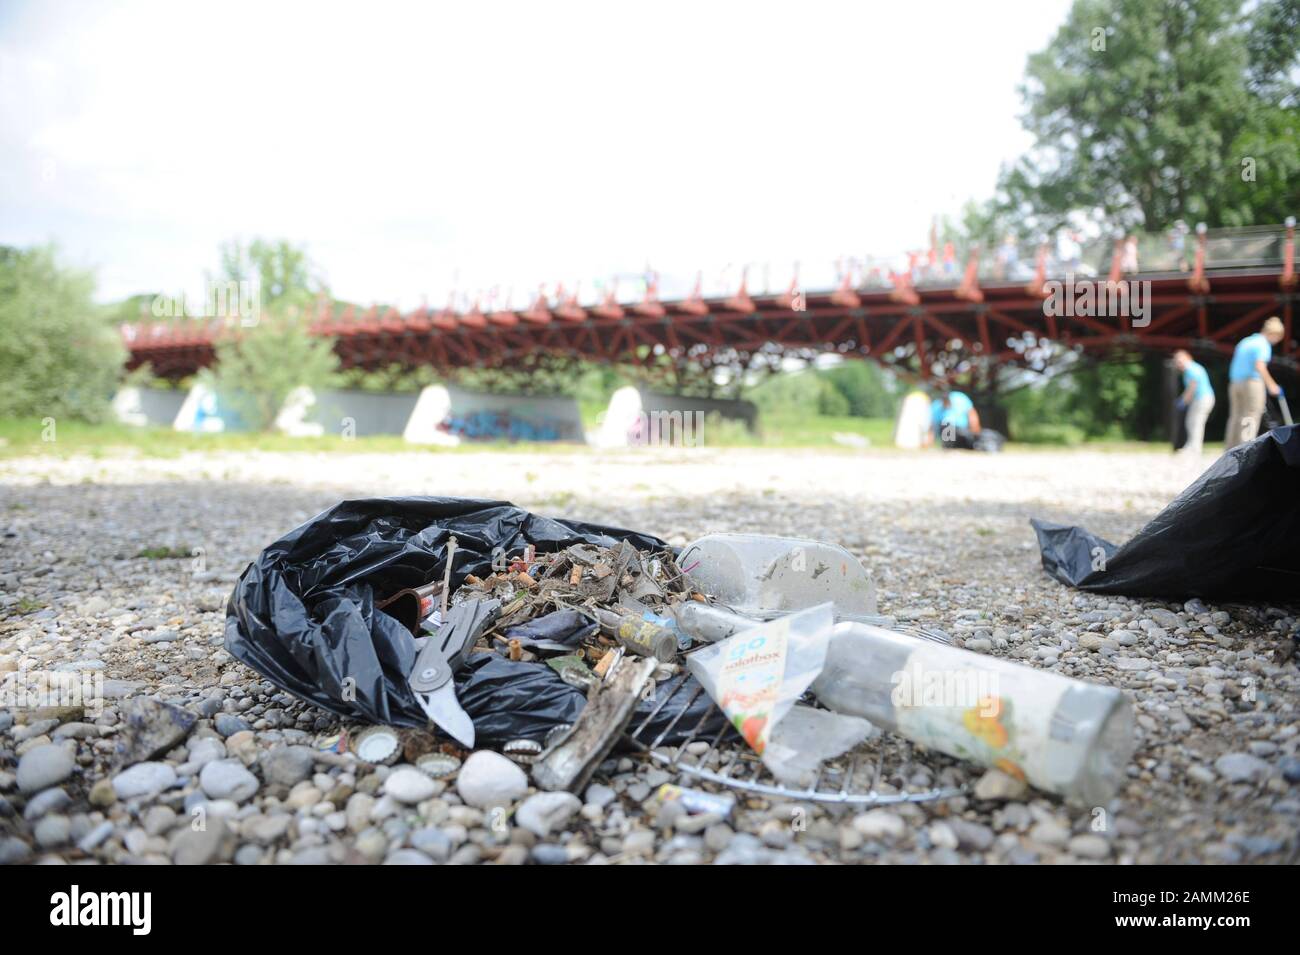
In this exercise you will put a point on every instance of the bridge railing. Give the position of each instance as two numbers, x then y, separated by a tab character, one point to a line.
1176	251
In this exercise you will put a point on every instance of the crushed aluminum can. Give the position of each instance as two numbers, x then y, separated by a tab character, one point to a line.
337	743
696	801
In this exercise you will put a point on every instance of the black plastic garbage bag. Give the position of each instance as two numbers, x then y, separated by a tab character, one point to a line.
517	700
303	614
1233	533
560	630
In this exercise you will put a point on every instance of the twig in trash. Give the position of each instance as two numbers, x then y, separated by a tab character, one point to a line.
446	574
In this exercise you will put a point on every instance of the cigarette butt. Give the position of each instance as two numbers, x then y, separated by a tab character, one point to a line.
605	663
575	575
523	580
516	650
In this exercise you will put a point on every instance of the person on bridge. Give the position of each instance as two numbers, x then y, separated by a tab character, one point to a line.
1249	383
953	420
1196	400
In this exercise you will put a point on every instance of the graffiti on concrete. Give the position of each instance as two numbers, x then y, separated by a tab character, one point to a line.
501	426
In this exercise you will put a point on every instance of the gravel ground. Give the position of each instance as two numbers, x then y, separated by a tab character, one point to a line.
1213	779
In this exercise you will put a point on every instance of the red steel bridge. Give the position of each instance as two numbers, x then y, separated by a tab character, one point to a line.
929	320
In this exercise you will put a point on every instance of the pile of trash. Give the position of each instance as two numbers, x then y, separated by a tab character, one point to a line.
448	624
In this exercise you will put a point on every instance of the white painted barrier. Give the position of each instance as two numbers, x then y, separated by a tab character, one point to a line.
913	420
147	406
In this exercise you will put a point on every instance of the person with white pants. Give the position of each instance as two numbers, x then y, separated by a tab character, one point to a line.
1197	399
1249	383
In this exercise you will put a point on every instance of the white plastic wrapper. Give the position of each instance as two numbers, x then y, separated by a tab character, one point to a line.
758	675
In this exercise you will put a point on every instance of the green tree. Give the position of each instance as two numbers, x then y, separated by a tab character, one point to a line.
800	393
285	275
864	387
134	308
57	356
257	367
1147	111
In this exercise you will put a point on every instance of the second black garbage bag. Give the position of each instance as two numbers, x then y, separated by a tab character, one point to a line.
303	614
1231	534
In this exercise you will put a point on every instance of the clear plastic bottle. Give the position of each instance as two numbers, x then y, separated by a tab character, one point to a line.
762	576
1062	735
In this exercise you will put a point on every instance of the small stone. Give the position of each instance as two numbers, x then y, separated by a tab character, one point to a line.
265	830
549	854
1290	767
1095	641
408	856
303	796
547	812
228	779
44	766
204	749
287	765
158	819
101	794
210	844
971	836
358	811
1164	618
143	779
513	855
600	796
942	836
995	785
1049	833
52	831
227	724
718	836
150	728
488	780
433	842
248	855
691	824
1241	768
639	842
880	824
1090	846
14	851
93	839
410	786
47	801
775	833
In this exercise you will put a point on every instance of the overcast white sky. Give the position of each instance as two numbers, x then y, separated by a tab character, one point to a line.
499	144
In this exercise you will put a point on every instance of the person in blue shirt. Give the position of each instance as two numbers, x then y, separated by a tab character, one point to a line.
954	420
1196	400
1249	383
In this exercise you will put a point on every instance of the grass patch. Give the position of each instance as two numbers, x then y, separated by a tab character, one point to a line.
28	438
166	553
801	431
